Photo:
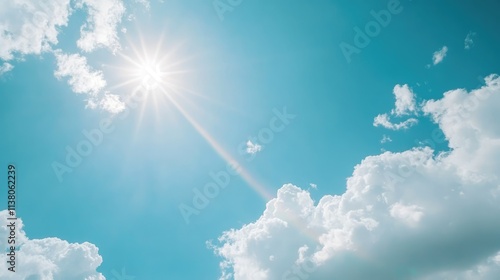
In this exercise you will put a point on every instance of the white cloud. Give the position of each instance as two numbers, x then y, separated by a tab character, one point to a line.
314	186
110	103
439	55
100	30
409	215
85	80
5	67
405	100
384	121
405	105
82	78
48	258
469	42
253	148
30	26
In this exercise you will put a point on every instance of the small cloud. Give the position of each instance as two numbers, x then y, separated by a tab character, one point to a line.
384	121
385	139
404	105
405	101
253	148
438	56
314	186
6	67
469	43
110	103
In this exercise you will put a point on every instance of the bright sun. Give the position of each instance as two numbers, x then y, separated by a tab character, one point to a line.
149	69
150	75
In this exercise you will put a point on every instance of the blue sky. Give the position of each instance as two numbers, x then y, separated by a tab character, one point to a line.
211	81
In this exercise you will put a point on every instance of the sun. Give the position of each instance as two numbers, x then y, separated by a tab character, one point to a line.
150	75
154	77
148	68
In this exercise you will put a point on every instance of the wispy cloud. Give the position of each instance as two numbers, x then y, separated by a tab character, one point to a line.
85	80
384	121
385	139
108	102
5	67
81	77
439	55
469	42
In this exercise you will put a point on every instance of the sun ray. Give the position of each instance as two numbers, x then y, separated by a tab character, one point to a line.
153	73
251	181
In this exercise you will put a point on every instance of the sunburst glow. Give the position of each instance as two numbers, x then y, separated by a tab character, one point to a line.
150	75
156	70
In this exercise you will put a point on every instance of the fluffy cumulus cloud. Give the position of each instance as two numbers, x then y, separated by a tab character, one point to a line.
30	26
416	214
49	258
439	55
100	29
405	105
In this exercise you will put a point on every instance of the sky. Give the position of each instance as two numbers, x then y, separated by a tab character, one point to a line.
238	139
